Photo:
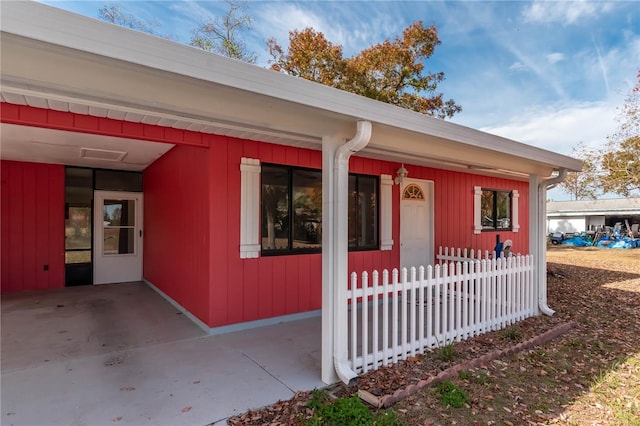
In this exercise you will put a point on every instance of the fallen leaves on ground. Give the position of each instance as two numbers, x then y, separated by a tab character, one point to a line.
590	375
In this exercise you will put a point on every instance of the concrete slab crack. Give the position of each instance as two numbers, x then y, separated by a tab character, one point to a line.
268	372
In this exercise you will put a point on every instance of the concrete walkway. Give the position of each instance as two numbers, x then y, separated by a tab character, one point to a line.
120	354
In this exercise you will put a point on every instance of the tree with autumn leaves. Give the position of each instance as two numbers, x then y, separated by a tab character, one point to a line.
391	71
616	169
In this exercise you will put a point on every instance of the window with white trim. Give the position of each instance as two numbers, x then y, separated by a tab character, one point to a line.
495	210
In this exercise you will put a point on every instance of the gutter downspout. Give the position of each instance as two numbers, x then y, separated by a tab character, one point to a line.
341	253
542	195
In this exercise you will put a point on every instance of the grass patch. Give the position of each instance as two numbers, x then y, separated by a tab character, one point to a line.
345	411
452	395
447	352
512	333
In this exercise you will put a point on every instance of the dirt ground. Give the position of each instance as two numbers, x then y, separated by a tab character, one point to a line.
588	376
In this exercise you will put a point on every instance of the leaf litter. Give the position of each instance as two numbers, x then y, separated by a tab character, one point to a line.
591	375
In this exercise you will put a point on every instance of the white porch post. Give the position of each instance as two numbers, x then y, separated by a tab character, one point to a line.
329	147
538	240
335	251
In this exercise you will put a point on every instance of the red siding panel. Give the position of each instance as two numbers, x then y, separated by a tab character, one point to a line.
32	226
59	120
176	219
220	244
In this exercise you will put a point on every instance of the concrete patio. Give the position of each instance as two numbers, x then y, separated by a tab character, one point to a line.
120	354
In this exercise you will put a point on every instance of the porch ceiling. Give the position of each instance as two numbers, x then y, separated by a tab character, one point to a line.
35	144
107	71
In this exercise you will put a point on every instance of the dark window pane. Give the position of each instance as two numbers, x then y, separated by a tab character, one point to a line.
353	211
363	212
275	208
307	209
118	241
503	210
486	211
368	189
77	231
118	180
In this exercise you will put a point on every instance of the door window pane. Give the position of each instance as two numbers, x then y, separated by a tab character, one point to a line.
119	213
118	221
118	241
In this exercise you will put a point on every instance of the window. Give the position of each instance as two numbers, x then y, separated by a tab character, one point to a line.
363	212
291	210
495	209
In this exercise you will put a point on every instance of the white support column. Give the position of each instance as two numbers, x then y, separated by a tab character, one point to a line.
335	251
386	212
329	148
249	208
537	237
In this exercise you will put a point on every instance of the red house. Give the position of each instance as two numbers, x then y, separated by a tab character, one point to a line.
242	195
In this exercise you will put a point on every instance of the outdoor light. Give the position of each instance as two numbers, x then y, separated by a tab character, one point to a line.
401	174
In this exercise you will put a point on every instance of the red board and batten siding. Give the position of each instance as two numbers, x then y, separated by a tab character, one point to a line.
192	210
453	212
32	219
176	227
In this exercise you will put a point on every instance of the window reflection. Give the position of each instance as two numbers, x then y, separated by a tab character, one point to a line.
118	227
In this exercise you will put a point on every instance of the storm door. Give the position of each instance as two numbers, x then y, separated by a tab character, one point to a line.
117	237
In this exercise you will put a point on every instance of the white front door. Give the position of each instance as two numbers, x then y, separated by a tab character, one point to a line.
117	230
416	223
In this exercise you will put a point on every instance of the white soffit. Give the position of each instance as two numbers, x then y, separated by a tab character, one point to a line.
35	144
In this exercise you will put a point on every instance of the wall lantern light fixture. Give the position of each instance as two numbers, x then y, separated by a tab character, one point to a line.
401	174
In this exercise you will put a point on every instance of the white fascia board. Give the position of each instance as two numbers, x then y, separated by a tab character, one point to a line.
56	26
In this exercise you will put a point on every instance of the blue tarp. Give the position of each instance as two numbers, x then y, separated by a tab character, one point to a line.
623	243
577	242
605	242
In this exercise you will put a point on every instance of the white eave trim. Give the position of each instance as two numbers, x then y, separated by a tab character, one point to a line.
51	25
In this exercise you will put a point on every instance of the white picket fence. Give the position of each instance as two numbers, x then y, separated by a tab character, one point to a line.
398	315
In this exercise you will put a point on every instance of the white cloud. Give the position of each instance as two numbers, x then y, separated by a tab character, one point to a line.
560	128
517	66
555	57
563	12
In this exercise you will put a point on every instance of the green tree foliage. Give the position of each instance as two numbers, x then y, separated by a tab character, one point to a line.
583	185
391	71
222	35
621	161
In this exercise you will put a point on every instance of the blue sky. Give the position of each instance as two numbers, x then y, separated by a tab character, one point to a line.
547	73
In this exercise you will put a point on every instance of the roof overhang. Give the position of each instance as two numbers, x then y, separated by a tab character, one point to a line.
62	61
